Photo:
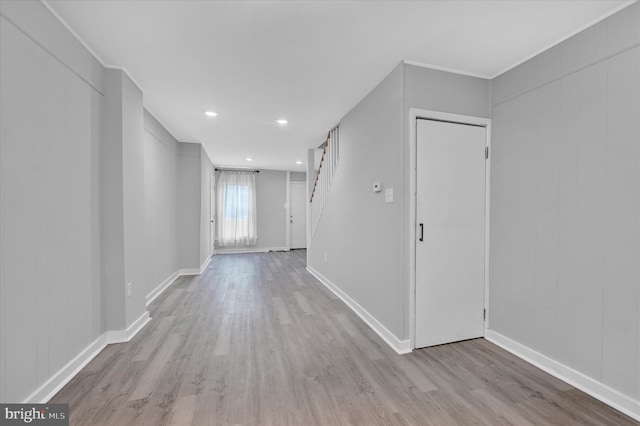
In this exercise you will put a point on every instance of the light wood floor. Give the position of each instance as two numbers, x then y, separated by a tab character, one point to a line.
257	340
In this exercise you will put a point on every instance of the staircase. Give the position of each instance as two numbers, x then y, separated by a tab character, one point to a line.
324	176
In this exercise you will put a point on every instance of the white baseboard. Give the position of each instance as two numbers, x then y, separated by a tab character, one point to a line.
52	386
123	336
153	294
250	250
162	287
56	382
400	346
596	389
196	271
205	264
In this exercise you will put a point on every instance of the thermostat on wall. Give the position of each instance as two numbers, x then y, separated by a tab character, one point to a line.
377	186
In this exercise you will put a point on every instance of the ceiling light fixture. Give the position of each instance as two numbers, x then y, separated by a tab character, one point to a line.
249	159
281	122
298	162
210	114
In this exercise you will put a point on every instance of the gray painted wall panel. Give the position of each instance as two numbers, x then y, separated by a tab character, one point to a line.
271	196
364	256
298	177
189	205
547	216
206	169
133	197
567	212
161	204
49	276
621	289
111	204
590	225
34	20
583	303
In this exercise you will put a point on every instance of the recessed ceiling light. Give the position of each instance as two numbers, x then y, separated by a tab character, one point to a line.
282	122
298	162
249	159
210	114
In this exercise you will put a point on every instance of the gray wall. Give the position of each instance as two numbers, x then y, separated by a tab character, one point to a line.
364	237
161	203
189	210
50	300
298	177
206	170
565	203
361	234
90	199
122	201
271	196
111	204
133	198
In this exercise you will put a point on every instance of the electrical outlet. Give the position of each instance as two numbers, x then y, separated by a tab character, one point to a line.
129	289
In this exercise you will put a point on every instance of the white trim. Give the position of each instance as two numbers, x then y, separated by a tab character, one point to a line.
414	115
445	69
598	390
565	37
400	346
52	386
196	271
64	23
162	287
57	381
205	264
237	251
153	294
251	250
156	117
123	336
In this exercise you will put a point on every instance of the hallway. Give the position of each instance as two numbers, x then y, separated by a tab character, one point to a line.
257	340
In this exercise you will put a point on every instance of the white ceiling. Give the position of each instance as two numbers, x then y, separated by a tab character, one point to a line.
309	62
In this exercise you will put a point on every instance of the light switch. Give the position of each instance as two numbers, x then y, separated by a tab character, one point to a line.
388	195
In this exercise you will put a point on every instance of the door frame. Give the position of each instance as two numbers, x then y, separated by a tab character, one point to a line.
414	115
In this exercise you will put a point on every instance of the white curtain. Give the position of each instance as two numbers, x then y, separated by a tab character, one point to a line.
236	204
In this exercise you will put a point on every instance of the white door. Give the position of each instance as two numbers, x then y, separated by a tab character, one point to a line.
298	215
450	234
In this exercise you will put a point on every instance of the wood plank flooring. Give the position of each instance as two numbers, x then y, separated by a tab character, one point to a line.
257	340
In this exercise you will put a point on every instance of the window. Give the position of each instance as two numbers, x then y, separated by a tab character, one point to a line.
236	201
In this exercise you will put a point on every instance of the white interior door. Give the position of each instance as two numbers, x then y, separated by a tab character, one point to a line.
450	235
298	215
